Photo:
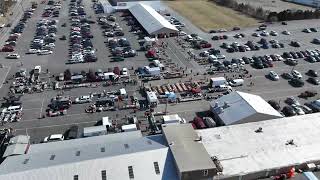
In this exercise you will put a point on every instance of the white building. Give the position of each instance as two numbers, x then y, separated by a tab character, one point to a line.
122	156
265	148
153	22
239	107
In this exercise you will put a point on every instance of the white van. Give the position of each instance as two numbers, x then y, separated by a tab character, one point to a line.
223	88
236	82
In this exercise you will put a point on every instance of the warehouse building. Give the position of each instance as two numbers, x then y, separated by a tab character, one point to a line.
153	22
239	107
265	148
312	3
122	156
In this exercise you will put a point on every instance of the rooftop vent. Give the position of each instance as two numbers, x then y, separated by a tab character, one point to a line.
225	105
131	175
52	157
198	138
78	153
259	130
156	167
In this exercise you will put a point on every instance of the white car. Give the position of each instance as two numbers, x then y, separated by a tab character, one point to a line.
45	52
296	74
280	58
33	51
83	99
298	109
274	76
53	137
51	45
182	33
13	56
125	72
286	32
264	33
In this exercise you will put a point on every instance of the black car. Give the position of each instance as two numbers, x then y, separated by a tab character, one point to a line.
312	73
313	30
274	104
287	75
313	81
295	82
287	55
288	111
311	59
295	44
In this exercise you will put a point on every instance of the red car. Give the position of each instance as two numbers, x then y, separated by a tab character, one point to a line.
7	49
207	45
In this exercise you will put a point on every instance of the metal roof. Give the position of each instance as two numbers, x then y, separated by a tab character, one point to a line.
20	139
78	143
243	151
88	161
151	20
189	154
237	106
15	149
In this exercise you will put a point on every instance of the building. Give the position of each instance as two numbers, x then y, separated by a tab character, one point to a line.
239	107
191	158
124	2
120	156
312	3
265	148
152	21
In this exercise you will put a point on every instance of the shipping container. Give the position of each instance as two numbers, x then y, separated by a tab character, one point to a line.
199	123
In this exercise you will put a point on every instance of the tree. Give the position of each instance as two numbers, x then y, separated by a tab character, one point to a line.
67	74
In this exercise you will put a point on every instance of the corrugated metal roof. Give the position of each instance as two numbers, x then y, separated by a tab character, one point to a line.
239	105
141	154
151	20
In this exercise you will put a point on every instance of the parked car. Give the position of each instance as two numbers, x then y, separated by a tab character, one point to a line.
13	56
274	104
274	76
288	111
291	100
313	81
53	137
83	99
312	73
298	109
296	74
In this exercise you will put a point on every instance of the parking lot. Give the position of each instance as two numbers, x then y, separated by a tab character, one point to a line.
37	124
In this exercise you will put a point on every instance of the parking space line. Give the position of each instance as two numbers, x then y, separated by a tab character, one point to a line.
56	125
31	109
